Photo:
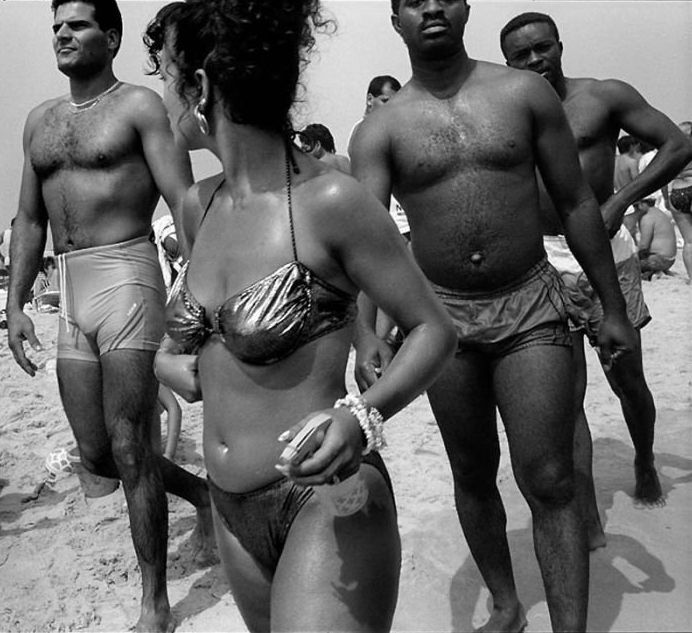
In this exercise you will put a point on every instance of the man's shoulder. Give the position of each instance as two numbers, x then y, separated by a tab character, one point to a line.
134	93
605	90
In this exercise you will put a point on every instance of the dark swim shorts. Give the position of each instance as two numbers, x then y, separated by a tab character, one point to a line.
681	199
529	311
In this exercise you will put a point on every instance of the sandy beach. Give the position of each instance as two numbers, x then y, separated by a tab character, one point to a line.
67	562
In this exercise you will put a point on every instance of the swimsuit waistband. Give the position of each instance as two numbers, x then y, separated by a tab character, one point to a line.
517	282
103	248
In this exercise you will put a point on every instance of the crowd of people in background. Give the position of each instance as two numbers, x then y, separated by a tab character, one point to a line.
521	233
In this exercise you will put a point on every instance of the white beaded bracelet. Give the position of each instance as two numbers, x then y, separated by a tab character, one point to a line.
369	418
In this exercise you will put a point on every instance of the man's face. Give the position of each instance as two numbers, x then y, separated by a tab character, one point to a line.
81	47
376	101
432	29
534	47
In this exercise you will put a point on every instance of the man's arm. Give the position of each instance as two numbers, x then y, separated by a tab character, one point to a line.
26	250
640	119
369	155
558	163
168	163
646	235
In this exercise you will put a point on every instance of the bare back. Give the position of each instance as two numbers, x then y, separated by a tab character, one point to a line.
95	182
462	167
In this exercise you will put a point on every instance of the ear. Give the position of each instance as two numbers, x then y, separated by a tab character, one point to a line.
395	22
112	40
204	87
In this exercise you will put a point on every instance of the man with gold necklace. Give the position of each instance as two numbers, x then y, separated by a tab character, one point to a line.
96	162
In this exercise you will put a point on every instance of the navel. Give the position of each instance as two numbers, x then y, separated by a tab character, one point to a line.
476	258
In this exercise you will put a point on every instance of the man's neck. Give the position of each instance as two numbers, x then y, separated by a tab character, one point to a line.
85	88
560	87
443	77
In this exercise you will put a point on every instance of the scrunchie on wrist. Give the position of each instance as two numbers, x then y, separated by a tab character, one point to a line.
369	418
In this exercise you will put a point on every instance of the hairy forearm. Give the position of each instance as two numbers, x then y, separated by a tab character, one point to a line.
26	251
588	240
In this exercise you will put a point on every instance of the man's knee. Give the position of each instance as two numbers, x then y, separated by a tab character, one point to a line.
475	478
129	452
96	459
549	483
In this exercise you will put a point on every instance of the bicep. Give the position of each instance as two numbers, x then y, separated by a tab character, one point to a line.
646	234
370	162
168	163
31	205
637	117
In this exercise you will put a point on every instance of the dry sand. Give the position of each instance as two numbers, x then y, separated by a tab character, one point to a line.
67	563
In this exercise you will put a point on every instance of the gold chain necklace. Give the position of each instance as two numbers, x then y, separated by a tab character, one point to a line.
90	103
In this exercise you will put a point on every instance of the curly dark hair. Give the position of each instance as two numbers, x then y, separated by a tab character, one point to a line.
252	51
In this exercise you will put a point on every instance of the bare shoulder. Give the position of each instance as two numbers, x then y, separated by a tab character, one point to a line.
334	198
521	85
196	201
142	102
37	113
612	91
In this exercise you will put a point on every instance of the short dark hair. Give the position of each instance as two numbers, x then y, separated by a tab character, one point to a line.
626	143
523	19
377	84
252	52
106	13
318	132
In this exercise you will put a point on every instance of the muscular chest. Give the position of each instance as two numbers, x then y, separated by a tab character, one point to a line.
65	140
458	140
590	122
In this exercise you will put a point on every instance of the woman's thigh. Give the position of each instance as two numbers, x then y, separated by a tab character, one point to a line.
250	583
340	573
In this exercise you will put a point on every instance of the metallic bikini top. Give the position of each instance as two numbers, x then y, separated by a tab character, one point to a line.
268	320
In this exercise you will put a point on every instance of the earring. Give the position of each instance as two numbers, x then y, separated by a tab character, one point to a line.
202	122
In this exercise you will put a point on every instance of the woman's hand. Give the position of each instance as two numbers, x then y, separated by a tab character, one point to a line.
334	448
179	372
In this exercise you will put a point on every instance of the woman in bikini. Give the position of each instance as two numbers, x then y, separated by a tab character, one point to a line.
262	317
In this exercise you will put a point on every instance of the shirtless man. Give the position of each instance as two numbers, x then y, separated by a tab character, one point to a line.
597	110
657	247
95	162
626	170
316	139
458	146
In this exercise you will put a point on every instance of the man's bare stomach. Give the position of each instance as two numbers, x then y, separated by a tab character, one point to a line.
96	212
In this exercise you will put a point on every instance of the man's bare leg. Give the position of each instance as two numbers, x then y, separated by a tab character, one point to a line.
534	389
464	407
109	406
129	398
626	377
583	452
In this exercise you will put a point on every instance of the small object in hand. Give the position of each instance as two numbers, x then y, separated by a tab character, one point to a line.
305	441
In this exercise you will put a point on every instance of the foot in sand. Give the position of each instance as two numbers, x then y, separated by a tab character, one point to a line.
505	621
203	541
647	489
155	622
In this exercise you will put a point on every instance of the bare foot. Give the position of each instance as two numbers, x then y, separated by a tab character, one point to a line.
155	622
505	621
647	489
203	540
